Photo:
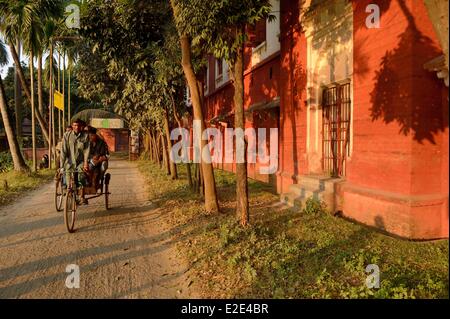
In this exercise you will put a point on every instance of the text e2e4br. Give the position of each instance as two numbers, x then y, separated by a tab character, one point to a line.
230	308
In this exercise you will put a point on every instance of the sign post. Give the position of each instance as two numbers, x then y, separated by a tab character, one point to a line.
59	100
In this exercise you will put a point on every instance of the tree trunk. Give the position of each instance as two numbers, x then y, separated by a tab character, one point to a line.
239	122
33	112
64	122
59	90
159	150
211	204
59	125
26	89
18	100
189	174
180	126
197	183
155	149
51	152
173	166
165	154
201	188
40	93
69	112
152	147
148	145
18	161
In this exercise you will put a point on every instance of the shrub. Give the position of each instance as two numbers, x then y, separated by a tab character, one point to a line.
6	162
314	206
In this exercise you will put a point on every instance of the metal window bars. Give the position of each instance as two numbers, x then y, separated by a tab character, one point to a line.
336	102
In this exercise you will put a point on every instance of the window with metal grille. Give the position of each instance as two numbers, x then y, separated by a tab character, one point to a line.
336	102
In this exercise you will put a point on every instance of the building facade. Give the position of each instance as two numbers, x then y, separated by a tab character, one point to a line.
361	106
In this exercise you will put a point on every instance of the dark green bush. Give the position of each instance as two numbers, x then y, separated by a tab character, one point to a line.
6	163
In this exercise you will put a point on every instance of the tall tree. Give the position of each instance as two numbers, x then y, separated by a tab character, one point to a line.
18	18
72	56
18	97
18	160
219	27
211	203
170	84
32	39
33	111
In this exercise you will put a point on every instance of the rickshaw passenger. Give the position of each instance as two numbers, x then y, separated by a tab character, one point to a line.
75	151
98	157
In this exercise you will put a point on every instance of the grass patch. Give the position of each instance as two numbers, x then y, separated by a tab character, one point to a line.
20	183
290	253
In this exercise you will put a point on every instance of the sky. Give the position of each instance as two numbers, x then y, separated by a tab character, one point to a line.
23	58
4	69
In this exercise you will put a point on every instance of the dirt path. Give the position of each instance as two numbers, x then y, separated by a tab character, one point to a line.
126	252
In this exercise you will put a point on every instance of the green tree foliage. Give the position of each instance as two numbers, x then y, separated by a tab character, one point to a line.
131	59
121	37
219	27
16	155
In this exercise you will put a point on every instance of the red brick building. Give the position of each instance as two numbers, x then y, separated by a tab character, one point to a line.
113	130
117	139
362	115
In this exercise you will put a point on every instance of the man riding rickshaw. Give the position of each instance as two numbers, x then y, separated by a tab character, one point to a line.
84	161
75	151
86	153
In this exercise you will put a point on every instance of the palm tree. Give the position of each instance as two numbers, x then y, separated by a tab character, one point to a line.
40	81
18	160
49	80
53	28
18	97
18	18
72	56
32	38
49	30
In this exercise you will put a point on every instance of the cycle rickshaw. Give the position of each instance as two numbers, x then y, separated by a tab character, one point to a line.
70	198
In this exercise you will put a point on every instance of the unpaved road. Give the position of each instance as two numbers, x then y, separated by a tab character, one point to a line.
127	252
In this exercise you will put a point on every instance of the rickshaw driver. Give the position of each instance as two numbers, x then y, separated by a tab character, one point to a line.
75	155
98	158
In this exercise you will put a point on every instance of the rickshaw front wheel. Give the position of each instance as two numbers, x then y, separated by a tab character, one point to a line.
70	211
59	195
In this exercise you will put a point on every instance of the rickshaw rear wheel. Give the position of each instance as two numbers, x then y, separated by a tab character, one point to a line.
106	184
106	197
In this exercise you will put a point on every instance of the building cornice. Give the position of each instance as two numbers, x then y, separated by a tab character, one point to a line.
439	66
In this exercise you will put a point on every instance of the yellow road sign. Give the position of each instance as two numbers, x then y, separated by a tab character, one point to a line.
59	100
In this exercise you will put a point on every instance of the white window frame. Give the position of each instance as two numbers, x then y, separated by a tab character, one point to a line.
223	78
